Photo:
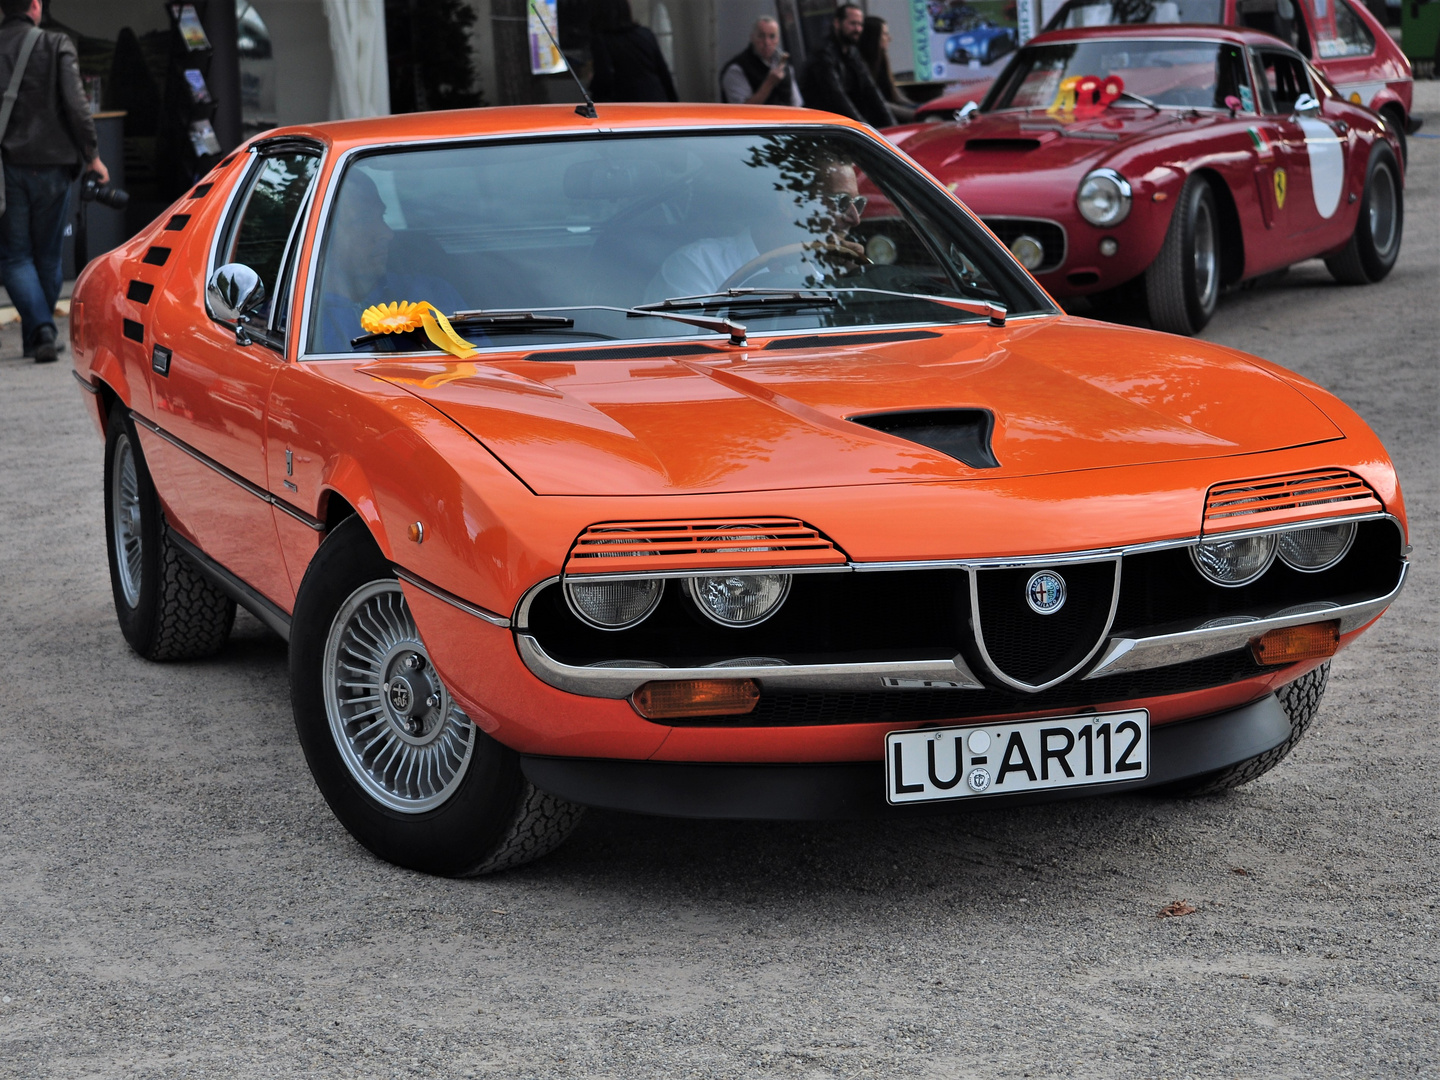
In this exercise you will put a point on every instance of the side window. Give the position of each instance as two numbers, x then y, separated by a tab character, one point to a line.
1283	79
1352	36
261	228
1232	78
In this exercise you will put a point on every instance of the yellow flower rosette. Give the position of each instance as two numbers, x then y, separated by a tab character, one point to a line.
401	315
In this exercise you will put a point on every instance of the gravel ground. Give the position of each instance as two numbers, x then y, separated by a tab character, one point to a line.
178	901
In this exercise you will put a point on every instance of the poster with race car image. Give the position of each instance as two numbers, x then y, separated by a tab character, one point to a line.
961	41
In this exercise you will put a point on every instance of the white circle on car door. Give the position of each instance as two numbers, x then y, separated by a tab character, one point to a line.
1327	164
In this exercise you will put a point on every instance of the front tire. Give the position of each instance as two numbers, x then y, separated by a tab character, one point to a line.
1182	285
1301	701
167	609
1375	244
402	767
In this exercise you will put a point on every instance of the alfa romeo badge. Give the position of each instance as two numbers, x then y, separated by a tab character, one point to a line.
1045	592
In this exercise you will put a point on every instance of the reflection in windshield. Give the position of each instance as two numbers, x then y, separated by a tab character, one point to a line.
591	228
1179	74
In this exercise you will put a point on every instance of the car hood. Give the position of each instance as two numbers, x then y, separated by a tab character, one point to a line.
1066	395
988	151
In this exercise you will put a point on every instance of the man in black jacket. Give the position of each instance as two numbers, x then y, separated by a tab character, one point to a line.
49	138
836	78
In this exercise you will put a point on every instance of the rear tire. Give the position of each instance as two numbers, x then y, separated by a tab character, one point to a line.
1182	285
1396	119
1301	701
1375	244
410	777
167	609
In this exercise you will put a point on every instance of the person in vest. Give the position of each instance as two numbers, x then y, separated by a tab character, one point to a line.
49	139
760	75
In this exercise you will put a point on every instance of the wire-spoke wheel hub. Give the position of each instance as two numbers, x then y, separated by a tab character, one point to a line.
125	519
399	733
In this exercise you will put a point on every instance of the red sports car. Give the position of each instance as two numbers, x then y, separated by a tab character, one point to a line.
1173	161
1342	39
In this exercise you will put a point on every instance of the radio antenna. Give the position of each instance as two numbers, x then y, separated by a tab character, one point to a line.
588	109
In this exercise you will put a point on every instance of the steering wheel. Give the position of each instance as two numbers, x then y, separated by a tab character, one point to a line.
786	253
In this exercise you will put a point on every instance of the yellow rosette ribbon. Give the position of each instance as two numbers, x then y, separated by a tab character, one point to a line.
401	315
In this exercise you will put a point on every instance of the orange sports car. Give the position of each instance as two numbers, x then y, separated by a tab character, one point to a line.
703	461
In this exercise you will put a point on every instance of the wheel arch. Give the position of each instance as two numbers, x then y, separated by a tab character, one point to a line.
1232	234
347	492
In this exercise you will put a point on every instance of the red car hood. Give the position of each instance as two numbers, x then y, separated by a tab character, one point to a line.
1066	395
986	154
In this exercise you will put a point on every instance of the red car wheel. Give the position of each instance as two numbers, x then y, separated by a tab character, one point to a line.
1183	283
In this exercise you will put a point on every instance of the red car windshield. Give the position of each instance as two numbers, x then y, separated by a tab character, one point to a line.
1080	13
1124	73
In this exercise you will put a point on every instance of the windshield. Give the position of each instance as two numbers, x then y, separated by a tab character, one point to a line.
1119	72
575	227
1078	13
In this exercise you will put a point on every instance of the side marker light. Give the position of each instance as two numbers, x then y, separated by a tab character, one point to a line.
696	697
1291	644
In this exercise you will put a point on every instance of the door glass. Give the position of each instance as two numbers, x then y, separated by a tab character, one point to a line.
1352	36
1282	80
261	229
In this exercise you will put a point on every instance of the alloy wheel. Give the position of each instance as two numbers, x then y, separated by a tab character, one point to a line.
125	517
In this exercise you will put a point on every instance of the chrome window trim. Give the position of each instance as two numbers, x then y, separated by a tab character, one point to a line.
1179	645
342	161
978	630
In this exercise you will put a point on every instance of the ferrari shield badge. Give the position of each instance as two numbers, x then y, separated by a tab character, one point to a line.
1280	188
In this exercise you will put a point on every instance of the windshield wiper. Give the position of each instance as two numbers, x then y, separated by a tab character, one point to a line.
489	320
992	311
743	298
1142	100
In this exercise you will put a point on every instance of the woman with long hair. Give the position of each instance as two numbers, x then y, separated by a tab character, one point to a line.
627	59
875	49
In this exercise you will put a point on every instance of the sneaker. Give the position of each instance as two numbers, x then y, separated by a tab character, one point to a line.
45	351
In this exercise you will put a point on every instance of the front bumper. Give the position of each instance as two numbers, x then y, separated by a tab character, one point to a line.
843	790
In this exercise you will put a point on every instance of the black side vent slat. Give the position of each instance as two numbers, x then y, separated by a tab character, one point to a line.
821	341
641	352
201	190
140	292
1002	144
177	222
156	256
963	434
134	330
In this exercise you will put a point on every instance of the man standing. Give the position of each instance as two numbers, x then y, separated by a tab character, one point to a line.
50	135
760	75
836	78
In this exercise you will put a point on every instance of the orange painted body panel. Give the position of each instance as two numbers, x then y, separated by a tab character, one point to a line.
1106	436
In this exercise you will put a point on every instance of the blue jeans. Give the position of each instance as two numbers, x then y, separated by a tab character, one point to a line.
32	231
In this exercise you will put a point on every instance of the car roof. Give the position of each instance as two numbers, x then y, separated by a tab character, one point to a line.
1235	35
342	135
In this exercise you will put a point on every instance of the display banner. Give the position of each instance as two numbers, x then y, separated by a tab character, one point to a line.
545	59
964	41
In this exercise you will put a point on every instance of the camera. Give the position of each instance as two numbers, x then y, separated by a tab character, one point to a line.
91	190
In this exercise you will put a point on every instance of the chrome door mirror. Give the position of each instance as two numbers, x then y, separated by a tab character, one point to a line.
1307	105
966	111
234	293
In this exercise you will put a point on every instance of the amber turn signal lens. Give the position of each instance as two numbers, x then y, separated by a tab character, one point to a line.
696	697
1291	644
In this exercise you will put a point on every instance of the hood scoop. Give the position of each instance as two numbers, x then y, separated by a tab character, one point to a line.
1020	145
963	434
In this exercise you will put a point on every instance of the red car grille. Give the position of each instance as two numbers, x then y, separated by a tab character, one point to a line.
1276	500
642	546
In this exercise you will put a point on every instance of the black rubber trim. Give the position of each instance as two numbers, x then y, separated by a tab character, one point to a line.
140	292
252	601
234	477
820	341
622	352
1178	751
134	331
156	256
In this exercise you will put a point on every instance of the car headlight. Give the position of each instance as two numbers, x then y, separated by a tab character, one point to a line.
1028	251
739	599
1234	562
1312	550
1104	198
613	605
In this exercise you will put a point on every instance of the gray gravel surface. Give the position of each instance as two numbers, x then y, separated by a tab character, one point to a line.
177	901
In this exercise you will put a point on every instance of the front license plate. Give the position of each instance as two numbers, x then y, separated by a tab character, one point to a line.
1016	756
